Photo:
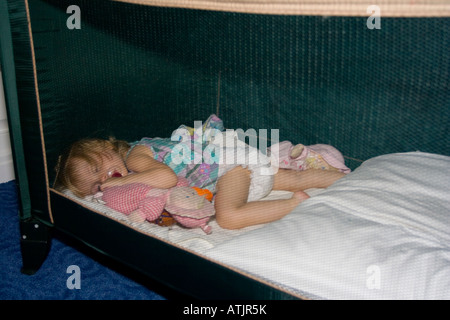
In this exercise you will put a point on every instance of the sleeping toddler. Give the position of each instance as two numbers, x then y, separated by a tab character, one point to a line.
92	165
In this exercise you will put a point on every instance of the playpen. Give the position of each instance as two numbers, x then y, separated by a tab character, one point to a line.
371	78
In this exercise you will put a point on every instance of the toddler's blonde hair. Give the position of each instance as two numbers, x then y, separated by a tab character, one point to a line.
88	149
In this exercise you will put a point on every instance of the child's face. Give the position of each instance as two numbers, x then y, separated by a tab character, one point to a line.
89	177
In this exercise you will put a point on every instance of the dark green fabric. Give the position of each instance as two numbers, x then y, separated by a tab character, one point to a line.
134	71
23	129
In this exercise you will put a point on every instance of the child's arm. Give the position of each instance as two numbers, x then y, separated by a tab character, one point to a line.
145	170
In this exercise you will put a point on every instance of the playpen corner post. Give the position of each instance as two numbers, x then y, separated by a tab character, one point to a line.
35	235
35	244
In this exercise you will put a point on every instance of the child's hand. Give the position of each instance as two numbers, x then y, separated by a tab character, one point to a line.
112	182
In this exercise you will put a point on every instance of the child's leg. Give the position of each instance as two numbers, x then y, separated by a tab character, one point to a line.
292	180
234	212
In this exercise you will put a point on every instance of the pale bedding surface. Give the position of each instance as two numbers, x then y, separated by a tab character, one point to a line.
382	232
194	239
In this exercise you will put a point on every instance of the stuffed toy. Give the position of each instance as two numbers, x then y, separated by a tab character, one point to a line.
189	208
165	219
318	156
141	202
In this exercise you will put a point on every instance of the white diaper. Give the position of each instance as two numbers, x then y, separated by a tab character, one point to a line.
262	174
260	185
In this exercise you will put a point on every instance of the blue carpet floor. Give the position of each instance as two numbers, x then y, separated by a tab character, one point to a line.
97	282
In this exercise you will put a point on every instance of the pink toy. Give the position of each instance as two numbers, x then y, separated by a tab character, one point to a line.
190	209
141	203
318	156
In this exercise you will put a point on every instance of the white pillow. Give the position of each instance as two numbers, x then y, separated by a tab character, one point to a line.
382	232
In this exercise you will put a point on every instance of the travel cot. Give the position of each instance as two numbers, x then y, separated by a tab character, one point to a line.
370	78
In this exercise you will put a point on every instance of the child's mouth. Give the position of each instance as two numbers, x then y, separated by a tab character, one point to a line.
114	174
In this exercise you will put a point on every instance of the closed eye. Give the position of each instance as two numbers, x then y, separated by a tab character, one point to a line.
95	188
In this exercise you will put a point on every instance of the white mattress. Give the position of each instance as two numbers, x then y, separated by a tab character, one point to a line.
382	232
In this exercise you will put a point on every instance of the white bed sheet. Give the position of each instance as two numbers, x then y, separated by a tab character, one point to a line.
382	232
194	239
